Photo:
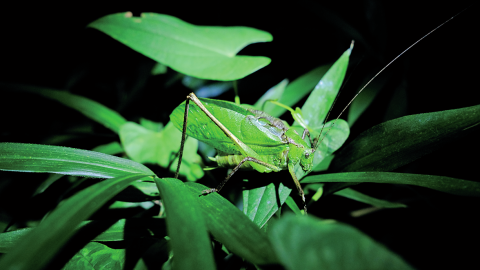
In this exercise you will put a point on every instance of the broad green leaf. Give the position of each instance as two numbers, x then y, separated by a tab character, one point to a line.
358	196
321	99
397	142
36	249
186	226
440	183
274	93
91	109
299	88
63	160
261	203
232	228
303	242
145	146
97	256
112	148
207	52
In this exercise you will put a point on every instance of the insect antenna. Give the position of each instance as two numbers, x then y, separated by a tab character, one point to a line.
378	73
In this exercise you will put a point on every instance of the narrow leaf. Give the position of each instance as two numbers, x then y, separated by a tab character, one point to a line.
321	99
36	249
299	89
63	160
232	228
440	183
398	142
185	226
91	109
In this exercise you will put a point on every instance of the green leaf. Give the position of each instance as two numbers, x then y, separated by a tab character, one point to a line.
358	196
261	203
146	146
290	202
232	228
303	242
207	52
8	240
137	228
97	256
91	109
274	93
186	226
321	99
440	183
398	142
36	249
299	88
63	160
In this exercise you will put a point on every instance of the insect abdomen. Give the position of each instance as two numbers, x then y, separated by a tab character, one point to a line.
230	161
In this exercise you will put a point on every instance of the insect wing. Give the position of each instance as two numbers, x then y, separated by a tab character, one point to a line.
233	117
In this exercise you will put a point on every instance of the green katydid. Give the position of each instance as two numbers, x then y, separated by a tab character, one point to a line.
250	139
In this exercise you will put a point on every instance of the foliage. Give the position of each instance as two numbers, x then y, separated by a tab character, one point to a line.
79	229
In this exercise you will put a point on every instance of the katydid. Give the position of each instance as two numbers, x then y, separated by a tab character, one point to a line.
251	139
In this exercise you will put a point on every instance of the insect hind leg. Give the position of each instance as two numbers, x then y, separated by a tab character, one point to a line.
220	186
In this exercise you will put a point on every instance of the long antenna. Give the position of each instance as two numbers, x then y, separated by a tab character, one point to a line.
378	73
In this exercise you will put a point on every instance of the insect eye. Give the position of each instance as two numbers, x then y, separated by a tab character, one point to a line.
307	155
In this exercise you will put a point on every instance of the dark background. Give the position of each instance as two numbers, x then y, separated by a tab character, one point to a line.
50	46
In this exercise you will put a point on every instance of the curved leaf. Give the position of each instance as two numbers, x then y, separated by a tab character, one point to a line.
207	52
35	250
22	157
232	228
90	108
186	226
441	183
395	143
303	242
